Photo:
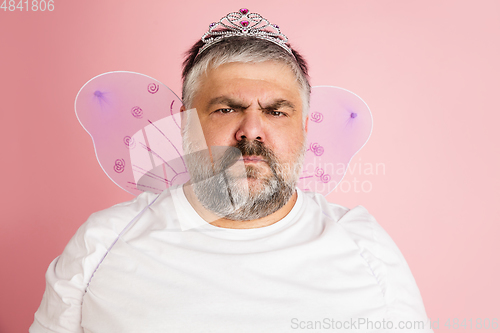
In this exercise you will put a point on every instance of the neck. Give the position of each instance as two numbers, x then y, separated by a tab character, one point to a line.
217	221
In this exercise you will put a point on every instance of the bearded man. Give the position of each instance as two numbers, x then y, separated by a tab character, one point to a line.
238	248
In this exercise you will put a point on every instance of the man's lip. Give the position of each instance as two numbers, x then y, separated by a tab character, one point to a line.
253	159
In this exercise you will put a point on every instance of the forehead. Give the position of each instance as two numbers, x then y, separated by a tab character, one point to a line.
246	80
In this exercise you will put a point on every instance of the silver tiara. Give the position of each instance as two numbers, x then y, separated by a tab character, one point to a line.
243	23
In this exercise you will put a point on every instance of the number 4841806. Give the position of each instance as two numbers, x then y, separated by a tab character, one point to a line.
36	5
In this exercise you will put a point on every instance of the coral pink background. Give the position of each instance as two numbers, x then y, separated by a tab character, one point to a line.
428	70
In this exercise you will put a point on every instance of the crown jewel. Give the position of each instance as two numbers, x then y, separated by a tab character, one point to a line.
243	23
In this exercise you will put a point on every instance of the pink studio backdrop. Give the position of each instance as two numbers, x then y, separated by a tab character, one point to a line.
429	174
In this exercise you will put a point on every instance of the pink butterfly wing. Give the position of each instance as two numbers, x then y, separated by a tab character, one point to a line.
340	123
134	122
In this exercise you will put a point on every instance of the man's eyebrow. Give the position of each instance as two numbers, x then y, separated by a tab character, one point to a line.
275	105
282	103
224	100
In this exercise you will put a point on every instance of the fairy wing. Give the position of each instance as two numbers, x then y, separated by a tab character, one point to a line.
134	123
340	123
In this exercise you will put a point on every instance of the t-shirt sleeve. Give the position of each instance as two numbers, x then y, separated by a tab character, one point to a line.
69	274
401	294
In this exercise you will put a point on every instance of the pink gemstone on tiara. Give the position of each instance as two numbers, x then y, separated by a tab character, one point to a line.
244	11
212	24
245	23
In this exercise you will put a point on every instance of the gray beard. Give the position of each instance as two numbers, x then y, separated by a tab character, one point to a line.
222	186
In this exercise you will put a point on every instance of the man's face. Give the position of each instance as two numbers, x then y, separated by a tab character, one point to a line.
257	108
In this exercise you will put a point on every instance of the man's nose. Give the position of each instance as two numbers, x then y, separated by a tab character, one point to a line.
251	127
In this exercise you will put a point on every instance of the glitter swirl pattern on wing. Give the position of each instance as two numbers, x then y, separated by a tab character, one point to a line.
319	172
129	142
317	149
119	165
325	178
137	112
153	88
317	117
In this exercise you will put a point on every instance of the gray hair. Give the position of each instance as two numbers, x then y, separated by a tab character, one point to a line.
242	50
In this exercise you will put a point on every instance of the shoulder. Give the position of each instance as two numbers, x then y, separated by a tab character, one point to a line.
95	236
115	217
358	223
69	274
387	264
374	243
93	239
381	255
316	201
102	227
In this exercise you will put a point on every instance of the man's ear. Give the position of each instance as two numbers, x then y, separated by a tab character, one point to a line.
183	115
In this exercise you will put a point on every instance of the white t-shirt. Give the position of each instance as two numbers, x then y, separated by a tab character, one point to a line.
154	265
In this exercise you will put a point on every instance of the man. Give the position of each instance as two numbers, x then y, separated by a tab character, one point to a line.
238	248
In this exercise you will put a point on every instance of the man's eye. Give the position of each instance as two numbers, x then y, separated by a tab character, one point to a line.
225	110
277	113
